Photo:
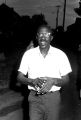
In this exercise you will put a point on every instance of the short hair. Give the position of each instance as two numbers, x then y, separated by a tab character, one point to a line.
44	26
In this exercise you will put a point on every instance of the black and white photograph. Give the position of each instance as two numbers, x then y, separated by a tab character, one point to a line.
40	60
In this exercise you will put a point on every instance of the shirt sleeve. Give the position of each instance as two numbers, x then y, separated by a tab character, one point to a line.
65	67
24	64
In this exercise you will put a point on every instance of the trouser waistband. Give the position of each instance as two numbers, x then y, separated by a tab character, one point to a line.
37	94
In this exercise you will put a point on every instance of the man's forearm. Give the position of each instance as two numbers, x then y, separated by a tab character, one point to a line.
57	81
60	81
24	80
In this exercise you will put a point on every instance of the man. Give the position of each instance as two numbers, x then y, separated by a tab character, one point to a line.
48	70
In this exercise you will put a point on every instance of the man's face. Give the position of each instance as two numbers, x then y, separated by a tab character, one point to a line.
44	37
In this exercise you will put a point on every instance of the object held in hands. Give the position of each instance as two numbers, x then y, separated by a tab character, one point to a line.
38	87
47	85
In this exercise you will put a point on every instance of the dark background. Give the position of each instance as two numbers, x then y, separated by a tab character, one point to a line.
16	33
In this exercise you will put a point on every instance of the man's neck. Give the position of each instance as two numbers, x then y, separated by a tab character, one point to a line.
44	51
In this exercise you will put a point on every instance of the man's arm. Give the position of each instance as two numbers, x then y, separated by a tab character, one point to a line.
24	80
29	81
64	80
54	81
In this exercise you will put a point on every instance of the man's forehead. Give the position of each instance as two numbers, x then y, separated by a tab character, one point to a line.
44	30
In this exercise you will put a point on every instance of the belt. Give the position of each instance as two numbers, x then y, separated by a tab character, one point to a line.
38	93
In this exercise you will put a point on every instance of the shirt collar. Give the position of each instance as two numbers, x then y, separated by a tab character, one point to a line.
49	52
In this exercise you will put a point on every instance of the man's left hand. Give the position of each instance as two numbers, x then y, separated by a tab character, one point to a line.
47	85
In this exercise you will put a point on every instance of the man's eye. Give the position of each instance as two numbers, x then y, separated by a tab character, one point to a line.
44	35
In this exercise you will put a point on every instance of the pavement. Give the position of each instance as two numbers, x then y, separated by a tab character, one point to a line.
11	105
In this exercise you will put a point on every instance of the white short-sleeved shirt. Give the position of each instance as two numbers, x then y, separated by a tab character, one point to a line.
55	64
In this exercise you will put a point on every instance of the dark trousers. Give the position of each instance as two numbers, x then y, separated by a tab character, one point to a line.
44	107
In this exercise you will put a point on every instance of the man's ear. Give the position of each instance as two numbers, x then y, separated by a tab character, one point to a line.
37	36
51	38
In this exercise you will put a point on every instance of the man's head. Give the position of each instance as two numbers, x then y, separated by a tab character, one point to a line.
44	36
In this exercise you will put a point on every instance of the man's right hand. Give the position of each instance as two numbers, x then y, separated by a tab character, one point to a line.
38	82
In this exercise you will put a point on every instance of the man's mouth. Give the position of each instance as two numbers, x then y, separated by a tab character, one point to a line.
43	43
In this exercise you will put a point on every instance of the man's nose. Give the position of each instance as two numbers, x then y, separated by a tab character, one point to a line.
43	37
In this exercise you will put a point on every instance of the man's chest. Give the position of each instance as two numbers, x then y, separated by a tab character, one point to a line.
44	66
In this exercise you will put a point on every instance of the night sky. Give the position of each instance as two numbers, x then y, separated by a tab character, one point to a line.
46	7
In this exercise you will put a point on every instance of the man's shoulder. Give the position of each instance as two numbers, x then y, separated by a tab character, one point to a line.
57	50
31	51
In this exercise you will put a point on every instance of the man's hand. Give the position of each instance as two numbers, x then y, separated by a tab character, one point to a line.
48	84
38	82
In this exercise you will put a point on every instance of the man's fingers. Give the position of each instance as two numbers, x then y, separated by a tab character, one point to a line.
42	80
43	87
